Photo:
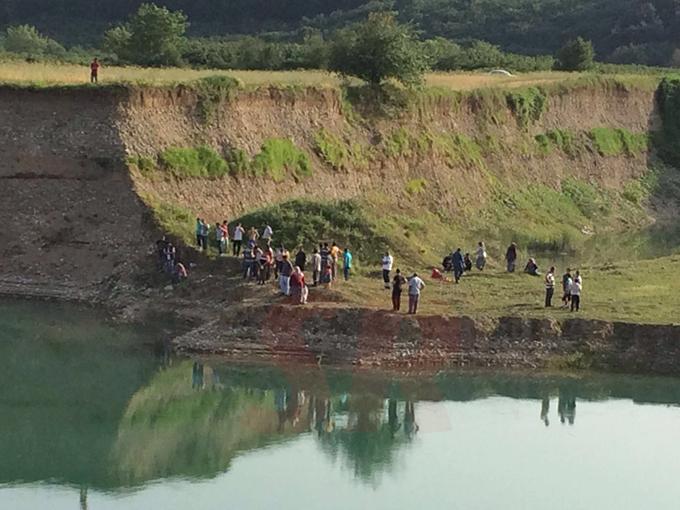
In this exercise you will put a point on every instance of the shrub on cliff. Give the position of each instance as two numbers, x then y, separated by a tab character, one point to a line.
377	50
154	36
576	55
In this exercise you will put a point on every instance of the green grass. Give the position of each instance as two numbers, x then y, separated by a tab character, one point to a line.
617	142
416	186
278	157
200	162
636	291
528	105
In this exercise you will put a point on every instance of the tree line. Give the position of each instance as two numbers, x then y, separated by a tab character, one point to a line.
377	48
622	31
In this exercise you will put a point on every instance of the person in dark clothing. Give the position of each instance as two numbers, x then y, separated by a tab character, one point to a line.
301	259
532	268
566	288
447	264
511	257
397	286
467	262
458	265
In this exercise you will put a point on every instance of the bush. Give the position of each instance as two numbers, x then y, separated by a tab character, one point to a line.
576	55
26	40
527	105
377	50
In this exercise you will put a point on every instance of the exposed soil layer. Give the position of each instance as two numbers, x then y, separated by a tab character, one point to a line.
377	338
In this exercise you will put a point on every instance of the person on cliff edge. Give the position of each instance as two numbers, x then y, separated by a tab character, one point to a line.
397	286
415	287
94	70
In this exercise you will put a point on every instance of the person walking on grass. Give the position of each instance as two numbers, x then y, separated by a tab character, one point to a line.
576	289
511	257
549	287
566	288
480	259
458	264
415	287
316	267
237	240
387	262
346	263
397	286
94	70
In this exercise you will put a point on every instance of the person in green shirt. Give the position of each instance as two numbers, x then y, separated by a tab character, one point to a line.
347	263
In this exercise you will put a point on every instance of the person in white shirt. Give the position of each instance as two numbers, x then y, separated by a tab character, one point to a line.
549	287
268	233
415	287
480	261
237	240
387	263
576	289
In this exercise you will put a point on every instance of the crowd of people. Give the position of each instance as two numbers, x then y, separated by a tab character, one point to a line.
261	262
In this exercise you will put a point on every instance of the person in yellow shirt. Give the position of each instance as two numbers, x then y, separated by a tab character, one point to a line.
335	252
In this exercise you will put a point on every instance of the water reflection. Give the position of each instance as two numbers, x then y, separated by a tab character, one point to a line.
88	405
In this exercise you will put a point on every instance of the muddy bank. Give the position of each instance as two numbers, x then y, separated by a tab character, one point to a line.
377	338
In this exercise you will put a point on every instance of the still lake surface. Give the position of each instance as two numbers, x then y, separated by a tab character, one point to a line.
99	416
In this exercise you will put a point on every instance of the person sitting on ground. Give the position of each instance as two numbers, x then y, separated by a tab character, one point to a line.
532	268
347	263
316	267
179	273
301	259
438	275
285	274
480	258
566	288
298	288
467	261
549	287
415	287
397	286
458	264
511	257
447	263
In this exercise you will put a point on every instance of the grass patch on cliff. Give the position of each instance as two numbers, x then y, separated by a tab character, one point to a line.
528	105
278	156
617	142
200	162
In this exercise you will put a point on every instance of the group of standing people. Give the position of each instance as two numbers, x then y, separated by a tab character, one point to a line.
572	287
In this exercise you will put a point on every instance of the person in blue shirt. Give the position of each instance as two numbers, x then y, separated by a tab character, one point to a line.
347	263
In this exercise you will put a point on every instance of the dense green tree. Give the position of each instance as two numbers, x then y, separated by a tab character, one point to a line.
576	55
378	49
26	40
154	36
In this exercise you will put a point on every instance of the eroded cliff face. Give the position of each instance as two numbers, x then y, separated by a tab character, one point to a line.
71	211
160	119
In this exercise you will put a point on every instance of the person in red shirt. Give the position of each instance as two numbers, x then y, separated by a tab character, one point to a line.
298	287
94	70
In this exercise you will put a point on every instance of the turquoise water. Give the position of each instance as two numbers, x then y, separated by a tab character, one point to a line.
95	415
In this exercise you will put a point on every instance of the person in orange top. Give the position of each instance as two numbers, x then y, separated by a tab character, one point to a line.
94	70
335	252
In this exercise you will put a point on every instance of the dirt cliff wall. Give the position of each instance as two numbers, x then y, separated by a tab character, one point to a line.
71	209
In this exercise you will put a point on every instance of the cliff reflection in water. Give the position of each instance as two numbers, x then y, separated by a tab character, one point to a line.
87	404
